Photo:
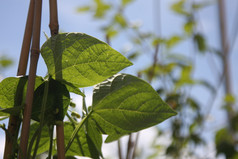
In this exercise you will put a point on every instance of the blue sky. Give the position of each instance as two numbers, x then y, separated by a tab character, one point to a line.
13	17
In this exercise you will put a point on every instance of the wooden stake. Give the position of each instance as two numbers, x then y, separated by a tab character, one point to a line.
14	121
31	80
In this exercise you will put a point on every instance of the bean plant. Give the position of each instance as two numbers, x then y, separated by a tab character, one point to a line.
121	103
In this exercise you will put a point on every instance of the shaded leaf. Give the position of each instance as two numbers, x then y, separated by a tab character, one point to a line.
128	105
201	43
80	59
58	100
44	140
224	143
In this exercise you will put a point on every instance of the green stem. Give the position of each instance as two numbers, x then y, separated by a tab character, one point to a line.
76	130
51	132
32	142
42	117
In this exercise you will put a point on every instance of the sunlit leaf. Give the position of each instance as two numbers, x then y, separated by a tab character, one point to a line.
83	9
120	19
81	60
13	91
127	105
101	8
174	40
179	8
126	2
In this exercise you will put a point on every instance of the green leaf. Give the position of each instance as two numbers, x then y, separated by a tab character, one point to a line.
126	2
101	8
127	105
13	90
225	143
5	61
58	100
174	40
83	9
44	140
189	26
80	59
82	144
179	8
201	42
120	19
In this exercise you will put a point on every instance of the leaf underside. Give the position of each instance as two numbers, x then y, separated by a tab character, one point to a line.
80	59
127	104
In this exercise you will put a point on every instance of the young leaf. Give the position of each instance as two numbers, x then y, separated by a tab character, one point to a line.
128	105
58	100
13	89
80	59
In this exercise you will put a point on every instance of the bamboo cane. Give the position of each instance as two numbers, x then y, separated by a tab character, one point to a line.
54	29
31	80
14	121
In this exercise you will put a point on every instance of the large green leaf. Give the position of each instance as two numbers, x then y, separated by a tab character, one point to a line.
127	104
84	143
13	90
58	100
80	59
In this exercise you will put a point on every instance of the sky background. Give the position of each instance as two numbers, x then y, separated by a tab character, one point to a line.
12	24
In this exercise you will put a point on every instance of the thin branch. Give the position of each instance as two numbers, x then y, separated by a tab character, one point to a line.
119	149
225	50
129	147
135	145
31	79
14	121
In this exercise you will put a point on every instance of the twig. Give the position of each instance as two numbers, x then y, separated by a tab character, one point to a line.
129	147
135	145
14	121
119	149
31	80
225	50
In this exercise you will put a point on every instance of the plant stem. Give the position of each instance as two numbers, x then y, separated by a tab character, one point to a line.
135	145
119	149
31	80
129	147
76	130
225	51
42	117
14	121
51	132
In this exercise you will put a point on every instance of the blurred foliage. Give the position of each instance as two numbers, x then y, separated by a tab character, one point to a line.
5	62
172	73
